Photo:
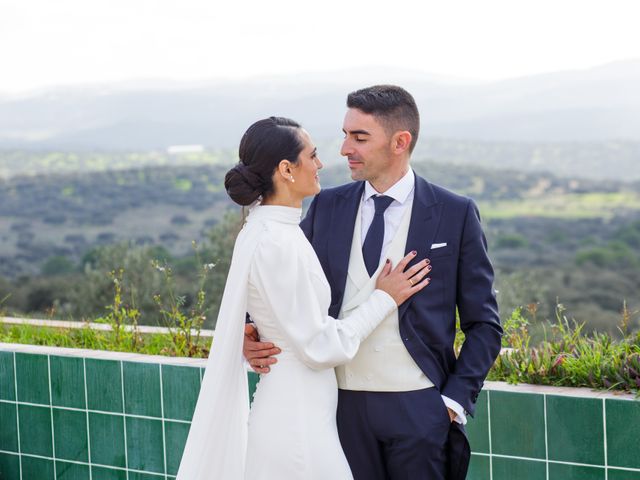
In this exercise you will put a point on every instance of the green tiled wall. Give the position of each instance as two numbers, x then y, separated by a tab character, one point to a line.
541	436
76	418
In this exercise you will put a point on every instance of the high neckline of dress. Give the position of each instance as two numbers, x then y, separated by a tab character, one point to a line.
276	213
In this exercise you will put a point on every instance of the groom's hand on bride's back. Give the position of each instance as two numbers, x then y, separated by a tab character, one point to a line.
259	354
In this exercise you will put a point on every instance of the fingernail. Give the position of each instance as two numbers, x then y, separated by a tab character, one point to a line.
414	252
429	268
387	260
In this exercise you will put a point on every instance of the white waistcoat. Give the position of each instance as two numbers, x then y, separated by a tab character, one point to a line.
382	363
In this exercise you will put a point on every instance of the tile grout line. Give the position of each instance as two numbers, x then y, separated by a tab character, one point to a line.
546	438
489	429
15	386
604	431
86	405
561	462
124	420
104	412
76	462
164	440
511	457
53	430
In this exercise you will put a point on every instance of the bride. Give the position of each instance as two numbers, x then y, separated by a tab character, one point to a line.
275	276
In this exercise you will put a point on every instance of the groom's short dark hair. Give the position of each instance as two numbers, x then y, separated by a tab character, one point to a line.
393	106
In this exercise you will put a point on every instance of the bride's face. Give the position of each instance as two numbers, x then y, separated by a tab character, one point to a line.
305	171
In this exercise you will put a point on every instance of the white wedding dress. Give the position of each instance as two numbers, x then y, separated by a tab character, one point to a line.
291	432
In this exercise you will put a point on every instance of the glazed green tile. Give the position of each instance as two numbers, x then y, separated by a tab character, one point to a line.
70	433
253	379
142	389
7	379
180	388
144	445
33	378
623	419
104	385
559	471
37	468
35	430
478	426
102	473
517	424
144	476
106	437
575	431
614	474
9	466
8	427
479	468
71	471
514	469
176	438
67	382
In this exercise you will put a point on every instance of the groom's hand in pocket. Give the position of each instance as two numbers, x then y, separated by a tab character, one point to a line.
259	354
452	414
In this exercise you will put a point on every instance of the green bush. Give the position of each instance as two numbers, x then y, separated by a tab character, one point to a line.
57	265
568	357
513	240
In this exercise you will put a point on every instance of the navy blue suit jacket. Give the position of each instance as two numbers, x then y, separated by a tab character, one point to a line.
462	278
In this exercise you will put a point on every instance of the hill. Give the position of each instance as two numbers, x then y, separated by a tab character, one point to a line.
597	104
549	237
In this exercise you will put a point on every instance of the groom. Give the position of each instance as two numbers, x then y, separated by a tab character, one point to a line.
404	398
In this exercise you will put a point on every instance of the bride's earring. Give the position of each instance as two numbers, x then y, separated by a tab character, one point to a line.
292	179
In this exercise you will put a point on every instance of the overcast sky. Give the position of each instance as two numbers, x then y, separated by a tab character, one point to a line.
45	42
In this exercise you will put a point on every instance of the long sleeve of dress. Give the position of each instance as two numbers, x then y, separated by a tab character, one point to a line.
290	280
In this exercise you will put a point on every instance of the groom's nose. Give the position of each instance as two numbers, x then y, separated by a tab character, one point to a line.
346	149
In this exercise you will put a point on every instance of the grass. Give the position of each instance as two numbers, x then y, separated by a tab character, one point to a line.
149	344
573	205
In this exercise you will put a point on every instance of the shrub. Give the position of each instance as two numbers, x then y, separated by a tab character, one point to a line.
568	357
57	265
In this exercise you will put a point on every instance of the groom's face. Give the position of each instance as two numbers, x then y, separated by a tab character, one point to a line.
366	145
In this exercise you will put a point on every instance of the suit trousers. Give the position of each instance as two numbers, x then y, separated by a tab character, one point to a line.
394	435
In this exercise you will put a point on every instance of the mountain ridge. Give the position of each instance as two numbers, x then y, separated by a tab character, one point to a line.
595	104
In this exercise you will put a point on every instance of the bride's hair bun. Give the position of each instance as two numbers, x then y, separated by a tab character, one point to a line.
242	185
263	146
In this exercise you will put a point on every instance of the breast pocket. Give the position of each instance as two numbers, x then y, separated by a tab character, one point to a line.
440	252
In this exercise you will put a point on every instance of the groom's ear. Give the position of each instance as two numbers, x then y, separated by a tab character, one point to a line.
401	141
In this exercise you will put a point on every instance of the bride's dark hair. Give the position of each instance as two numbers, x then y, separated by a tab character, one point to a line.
263	146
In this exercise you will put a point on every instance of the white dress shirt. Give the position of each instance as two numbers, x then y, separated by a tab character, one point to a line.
402	193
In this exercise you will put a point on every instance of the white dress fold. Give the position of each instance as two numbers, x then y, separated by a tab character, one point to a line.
291	431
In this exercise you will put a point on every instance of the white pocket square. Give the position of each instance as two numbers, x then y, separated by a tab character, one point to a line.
438	245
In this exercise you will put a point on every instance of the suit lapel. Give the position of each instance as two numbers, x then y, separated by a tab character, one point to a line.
343	216
425	218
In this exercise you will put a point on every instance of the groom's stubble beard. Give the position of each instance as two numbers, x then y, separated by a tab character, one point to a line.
359	173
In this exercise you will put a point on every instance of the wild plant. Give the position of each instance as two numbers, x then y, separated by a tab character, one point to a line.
184	322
